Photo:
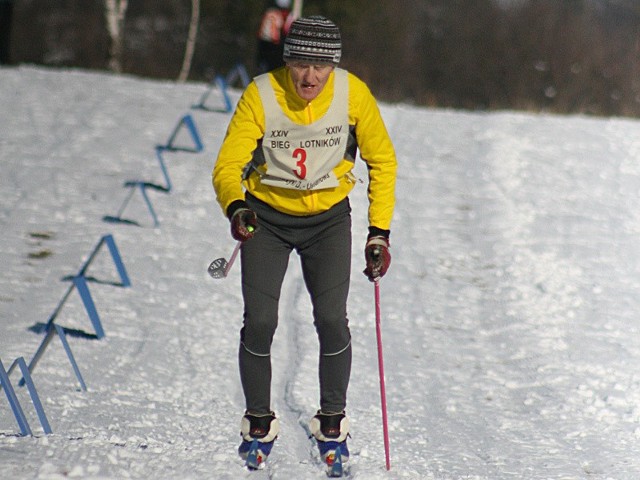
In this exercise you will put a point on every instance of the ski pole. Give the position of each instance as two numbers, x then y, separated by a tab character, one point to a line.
383	395
220	267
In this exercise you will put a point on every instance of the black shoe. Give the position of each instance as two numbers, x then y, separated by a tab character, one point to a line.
331	431
259	432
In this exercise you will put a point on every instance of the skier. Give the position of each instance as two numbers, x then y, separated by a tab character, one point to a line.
282	177
274	25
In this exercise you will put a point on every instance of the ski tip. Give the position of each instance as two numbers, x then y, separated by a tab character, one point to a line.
253	456
334	464
335	471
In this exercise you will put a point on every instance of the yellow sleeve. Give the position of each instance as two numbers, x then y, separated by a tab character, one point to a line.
377	150
241	139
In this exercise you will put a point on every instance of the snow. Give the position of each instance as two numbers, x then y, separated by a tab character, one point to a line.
509	314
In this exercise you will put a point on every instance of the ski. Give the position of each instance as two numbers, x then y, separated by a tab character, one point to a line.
253	456
332	455
334	463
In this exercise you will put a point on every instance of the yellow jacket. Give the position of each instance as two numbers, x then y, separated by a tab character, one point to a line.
247	128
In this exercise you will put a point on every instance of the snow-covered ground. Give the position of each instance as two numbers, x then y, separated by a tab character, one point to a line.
509	315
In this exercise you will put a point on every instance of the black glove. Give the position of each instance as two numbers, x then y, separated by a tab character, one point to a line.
377	256
244	223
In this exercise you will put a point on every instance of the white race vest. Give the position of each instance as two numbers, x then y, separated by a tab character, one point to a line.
302	157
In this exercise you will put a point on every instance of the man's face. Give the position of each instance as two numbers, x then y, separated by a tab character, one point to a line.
309	80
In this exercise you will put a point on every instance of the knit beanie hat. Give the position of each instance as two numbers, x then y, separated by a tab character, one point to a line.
315	40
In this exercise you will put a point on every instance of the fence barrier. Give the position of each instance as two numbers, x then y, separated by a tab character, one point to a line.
79	283
5	383
134	185
238	72
187	122
221	84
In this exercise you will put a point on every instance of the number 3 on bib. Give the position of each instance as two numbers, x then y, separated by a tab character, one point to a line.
301	155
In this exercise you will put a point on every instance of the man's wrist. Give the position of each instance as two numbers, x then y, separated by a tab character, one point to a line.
378	232
235	206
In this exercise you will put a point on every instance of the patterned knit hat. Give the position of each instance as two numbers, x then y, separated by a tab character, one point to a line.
313	39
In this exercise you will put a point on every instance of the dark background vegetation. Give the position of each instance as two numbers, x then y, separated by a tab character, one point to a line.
564	56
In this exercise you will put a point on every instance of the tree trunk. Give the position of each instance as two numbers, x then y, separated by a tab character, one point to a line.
191	41
115	11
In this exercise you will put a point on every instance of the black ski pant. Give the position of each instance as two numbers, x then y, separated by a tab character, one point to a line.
323	243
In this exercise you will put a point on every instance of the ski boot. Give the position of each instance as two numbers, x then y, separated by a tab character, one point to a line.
331	431
259	432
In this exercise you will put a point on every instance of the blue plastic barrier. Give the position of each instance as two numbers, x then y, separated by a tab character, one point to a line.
5	383
134	185
13	402
110	242
168	186
187	122
65	344
238	72
221	84
52	330
80	283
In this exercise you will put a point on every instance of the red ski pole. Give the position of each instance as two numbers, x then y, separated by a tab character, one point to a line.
232	259
383	395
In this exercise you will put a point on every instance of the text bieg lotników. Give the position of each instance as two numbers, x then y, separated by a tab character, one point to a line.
311	143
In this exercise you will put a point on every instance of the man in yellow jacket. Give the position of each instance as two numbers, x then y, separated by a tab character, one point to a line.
283	176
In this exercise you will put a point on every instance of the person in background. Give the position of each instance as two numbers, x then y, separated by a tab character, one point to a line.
282	176
274	25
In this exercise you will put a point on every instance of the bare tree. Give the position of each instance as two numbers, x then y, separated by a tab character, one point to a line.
574	56
115	11
191	41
